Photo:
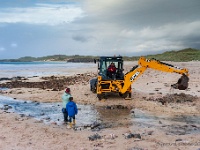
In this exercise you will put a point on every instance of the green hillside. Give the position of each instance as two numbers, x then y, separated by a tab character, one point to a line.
184	55
181	55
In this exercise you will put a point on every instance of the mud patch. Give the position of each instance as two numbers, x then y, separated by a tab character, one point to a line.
174	98
175	129
177	125
115	115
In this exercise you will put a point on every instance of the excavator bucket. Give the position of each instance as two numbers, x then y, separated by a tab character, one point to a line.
182	83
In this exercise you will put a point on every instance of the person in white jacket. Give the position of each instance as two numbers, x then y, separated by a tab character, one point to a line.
65	99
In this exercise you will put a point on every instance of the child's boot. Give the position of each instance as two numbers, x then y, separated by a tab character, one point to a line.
71	124
74	122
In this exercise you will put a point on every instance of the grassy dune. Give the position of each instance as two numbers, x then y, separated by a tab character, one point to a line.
184	55
181	55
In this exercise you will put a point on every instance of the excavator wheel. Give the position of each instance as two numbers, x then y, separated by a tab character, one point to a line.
182	83
126	95
100	96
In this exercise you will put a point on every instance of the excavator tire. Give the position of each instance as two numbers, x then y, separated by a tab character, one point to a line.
100	96
126	95
182	83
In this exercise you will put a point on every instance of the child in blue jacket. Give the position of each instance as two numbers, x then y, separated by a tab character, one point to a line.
72	110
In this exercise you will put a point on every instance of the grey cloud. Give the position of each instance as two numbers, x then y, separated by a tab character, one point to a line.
45	14
122	27
139	26
81	38
134	13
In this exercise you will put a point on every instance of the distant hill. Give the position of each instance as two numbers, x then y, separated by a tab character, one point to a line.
73	58
184	55
188	54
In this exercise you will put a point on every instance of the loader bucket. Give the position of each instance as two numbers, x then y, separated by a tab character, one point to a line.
182	83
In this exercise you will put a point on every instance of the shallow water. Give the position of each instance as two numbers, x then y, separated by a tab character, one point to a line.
30	69
49	112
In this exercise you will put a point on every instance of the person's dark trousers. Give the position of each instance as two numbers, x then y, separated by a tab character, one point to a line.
65	114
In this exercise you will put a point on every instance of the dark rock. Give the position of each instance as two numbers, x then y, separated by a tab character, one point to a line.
55	89
151	93
2	79
128	136
193	125
132	111
6	107
178	140
137	136
47	118
131	135
22	115
108	107
94	125
37	103
150	132
42	114
96	136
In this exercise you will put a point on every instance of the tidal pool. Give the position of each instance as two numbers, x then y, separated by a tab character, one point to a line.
48	112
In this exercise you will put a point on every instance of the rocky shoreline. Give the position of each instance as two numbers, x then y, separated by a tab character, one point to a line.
53	82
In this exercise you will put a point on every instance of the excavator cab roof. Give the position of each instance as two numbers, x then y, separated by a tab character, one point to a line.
111	58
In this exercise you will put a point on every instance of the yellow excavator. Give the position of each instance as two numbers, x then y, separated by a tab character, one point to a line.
119	82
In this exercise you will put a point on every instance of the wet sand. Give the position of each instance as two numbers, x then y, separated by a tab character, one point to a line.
168	126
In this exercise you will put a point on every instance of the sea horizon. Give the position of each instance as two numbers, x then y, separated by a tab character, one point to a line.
39	68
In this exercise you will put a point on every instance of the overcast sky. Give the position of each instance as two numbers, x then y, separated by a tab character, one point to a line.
97	27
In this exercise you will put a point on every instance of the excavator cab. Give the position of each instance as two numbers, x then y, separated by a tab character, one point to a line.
105	63
108	80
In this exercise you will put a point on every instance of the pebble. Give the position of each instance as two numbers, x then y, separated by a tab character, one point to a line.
178	140
150	132
6	107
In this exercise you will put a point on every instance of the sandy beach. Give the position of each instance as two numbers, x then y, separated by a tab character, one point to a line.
172	125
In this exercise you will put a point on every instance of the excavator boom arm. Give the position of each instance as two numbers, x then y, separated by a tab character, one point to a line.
144	63
158	65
